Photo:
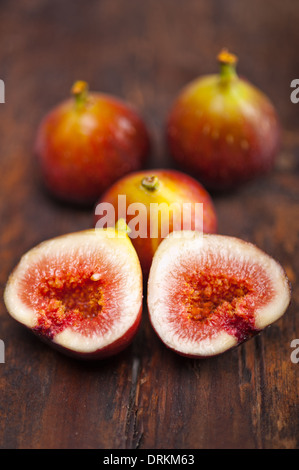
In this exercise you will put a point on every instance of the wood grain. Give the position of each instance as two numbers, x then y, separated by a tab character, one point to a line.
147	397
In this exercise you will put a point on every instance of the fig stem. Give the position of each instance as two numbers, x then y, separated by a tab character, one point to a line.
151	183
227	62
80	92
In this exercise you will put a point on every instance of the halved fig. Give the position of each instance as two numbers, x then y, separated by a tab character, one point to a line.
209	293
81	292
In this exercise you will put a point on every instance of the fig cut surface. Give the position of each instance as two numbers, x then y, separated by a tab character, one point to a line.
82	292
209	293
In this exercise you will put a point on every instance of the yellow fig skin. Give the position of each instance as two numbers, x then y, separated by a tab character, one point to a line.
223	130
170	187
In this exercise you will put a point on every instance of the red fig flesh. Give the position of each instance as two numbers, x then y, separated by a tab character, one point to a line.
81	292
208	293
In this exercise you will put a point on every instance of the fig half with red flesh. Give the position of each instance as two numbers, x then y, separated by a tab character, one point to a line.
80	292
222	129
209	293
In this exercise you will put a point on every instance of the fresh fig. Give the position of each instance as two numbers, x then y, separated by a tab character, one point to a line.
80	292
223	129
157	196
86	143
209	293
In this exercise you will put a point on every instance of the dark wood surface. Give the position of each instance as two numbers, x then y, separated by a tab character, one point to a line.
147	397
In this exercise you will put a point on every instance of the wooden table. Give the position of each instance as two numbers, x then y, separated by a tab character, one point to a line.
147	397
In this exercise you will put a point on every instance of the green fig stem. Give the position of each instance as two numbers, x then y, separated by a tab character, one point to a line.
80	93
151	183
227	62
122	227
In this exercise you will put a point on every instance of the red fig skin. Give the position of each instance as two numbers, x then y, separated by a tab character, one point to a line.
223	130
173	186
87	142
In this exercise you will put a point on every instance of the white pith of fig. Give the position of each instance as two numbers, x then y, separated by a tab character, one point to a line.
209	293
82	292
